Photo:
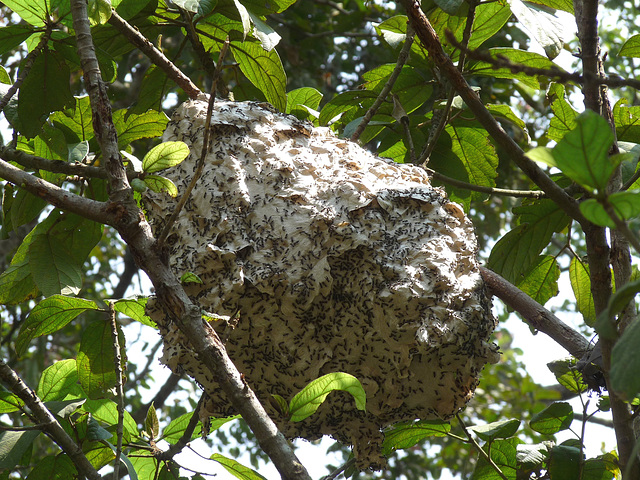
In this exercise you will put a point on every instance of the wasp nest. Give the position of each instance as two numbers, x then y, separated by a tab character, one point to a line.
324	258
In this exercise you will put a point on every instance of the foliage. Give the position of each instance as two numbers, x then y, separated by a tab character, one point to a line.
567	207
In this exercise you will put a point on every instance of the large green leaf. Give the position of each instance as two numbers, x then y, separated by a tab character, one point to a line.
134	308
625	205
358	100
33	12
503	454
568	375
474	149
264	70
406	435
96	368
57	380
582	154
49	316
515	253
581	285
541	281
236	469
14	445
564	462
494	430
165	155
159	184
13	35
44	90
625	362
631	47
308	400
58	467
53	268
10	402
134	127
174	431
543	26
557	416
627	120
76	121
106	411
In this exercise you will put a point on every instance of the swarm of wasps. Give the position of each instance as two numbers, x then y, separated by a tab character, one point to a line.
316	257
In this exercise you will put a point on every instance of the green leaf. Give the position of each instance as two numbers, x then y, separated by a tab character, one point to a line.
568	375
581	285
106	411
532	456
160	184
96	369
35	13
393	30
190	277
14	445
13	35
95	433
201	7
99	11
174	431
53	267
16	284
49	316
45	90
58	467
280	404
625	360
406	435
9	402
151	424
236	469
301	100
268	37
76	120
65	408
631	47
517	251
165	155
541	281
307	401
503	454
473	147
505	112
134	127
134	308
627	120
521	57
603	467
264	70
564	462
494	430
57	380
78	151
543	26
564	116
25	208
557	416
450	6
153	88
345	102
582	154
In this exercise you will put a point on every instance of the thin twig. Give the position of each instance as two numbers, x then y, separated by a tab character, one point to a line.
155	55
117	358
402	59
484	454
26	66
482	189
333	475
203	154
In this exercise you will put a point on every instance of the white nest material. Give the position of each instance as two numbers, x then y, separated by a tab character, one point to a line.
325	258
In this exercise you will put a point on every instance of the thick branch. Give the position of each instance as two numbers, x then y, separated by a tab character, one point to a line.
535	314
47	422
431	42
56	196
136	232
155	55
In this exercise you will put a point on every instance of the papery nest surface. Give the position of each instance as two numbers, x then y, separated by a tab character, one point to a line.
323	258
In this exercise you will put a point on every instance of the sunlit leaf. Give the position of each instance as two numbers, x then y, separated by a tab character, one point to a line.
557	416
407	435
236	469
165	155
631	47
503	454
57	380
134	308
306	402
494	430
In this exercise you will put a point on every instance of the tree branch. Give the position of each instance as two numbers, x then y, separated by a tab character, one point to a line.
155	55
56	196
47	422
431	42
402	59
535	314
136	232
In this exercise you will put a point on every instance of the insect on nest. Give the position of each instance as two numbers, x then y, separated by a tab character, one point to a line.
324	258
